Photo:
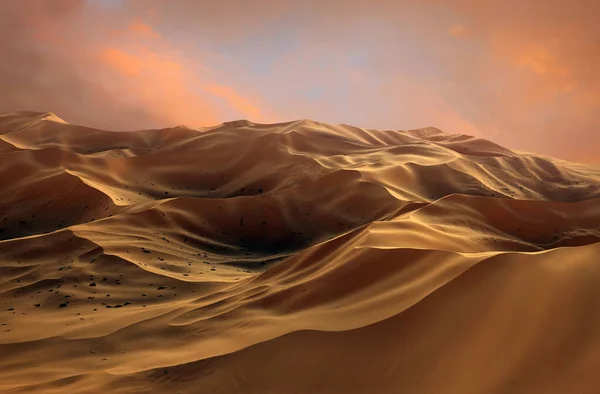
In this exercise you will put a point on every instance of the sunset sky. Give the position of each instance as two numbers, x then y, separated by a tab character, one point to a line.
524	74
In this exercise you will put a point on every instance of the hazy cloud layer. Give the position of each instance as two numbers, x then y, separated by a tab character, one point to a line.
523	73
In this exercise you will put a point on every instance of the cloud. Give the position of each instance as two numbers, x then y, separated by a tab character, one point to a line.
237	101
143	30
520	73
149	80
146	72
104	68
544	55
458	30
123	62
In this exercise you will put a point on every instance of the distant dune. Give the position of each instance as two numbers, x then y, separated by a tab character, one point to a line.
297	257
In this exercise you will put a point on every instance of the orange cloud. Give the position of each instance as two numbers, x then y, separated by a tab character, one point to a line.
526	77
458	30
155	76
143	30
236	100
548	66
107	68
161	83
123	62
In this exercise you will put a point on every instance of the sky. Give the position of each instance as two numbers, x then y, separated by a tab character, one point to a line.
525	74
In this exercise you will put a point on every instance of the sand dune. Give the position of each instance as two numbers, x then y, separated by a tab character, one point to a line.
297	257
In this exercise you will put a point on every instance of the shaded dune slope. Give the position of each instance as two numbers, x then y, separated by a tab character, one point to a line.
297	257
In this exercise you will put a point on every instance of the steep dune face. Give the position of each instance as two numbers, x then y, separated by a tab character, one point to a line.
292	258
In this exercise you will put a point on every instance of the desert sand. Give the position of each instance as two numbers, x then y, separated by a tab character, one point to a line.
298	257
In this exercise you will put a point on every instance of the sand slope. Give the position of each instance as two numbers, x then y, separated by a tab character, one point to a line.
297	257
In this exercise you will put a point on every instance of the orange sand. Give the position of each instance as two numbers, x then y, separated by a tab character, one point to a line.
297	257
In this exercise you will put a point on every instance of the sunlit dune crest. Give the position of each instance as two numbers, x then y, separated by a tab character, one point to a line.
298	257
